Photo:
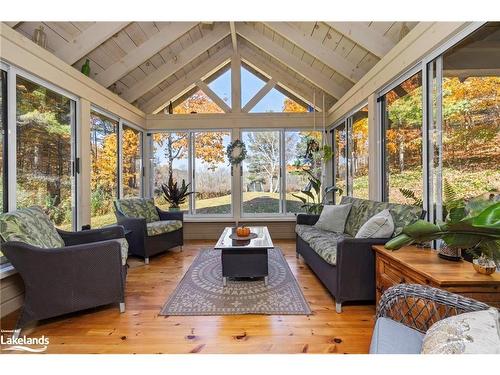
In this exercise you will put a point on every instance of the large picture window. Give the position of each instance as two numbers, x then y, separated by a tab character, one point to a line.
44	127
3	149
212	174
402	125
340	158
3	141
300	156
131	162
170	157
104	168
261	172
467	156
358	153
198	158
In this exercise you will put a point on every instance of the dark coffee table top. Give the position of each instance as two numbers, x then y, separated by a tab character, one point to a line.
263	240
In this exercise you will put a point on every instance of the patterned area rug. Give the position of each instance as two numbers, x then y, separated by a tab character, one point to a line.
201	292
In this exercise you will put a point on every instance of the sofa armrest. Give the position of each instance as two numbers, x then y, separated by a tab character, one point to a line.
356	268
167	215
92	235
307	219
420	306
63	271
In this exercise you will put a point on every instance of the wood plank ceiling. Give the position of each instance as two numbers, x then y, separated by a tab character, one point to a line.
151	63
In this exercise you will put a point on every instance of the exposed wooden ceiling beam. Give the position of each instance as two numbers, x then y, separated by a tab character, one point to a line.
212	95
258	97
143	52
12	24
365	36
267	45
158	102
177	62
301	90
234	37
88	40
315	48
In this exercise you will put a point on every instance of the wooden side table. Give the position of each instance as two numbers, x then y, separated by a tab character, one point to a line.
413	265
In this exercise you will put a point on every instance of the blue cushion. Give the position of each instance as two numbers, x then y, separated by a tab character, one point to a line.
390	337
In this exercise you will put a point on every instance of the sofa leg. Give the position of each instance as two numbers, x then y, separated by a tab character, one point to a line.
146	260
180	248
338	307
297	255
16	333
122	307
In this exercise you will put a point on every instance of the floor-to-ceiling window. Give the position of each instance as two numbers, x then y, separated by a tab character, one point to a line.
358	153
170	157
301	158
104	168
131	152
3	148
466	87
44	148
402	141
3	141
261	177
199	159
340	158
212	173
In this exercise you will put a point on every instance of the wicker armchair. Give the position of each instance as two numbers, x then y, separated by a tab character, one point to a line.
87	272
419	306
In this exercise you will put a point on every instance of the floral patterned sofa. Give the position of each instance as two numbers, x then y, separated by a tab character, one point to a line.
344	264
152	229
63	271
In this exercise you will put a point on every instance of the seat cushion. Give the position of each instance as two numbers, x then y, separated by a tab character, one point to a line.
391	337
165	226
323	242
123	249
362	210
30	225
475	332
139	208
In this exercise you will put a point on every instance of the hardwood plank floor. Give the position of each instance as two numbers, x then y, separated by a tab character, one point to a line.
141	330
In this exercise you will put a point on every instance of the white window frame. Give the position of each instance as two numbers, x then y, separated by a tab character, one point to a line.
191	212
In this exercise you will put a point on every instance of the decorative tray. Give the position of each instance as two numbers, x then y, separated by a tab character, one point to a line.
234	236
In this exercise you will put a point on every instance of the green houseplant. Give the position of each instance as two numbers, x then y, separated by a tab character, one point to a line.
474	226
174	194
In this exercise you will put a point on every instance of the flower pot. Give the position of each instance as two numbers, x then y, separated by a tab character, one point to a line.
450	253
484	265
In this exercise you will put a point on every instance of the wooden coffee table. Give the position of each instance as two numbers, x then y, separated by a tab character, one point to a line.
245	259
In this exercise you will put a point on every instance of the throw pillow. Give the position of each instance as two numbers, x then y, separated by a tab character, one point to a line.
333	217
379	225
470	333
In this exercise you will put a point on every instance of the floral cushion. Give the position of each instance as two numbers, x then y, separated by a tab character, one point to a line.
164	226
139	208
470	333
323	242
30	225
362	210
123	249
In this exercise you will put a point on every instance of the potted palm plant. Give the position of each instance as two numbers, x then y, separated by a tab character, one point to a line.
474	227
175	195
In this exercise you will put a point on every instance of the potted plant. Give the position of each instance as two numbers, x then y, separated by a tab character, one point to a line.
174	194
314	205
474	227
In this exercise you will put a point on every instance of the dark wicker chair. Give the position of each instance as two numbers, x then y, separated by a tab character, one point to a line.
419	306
142	245
86	273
